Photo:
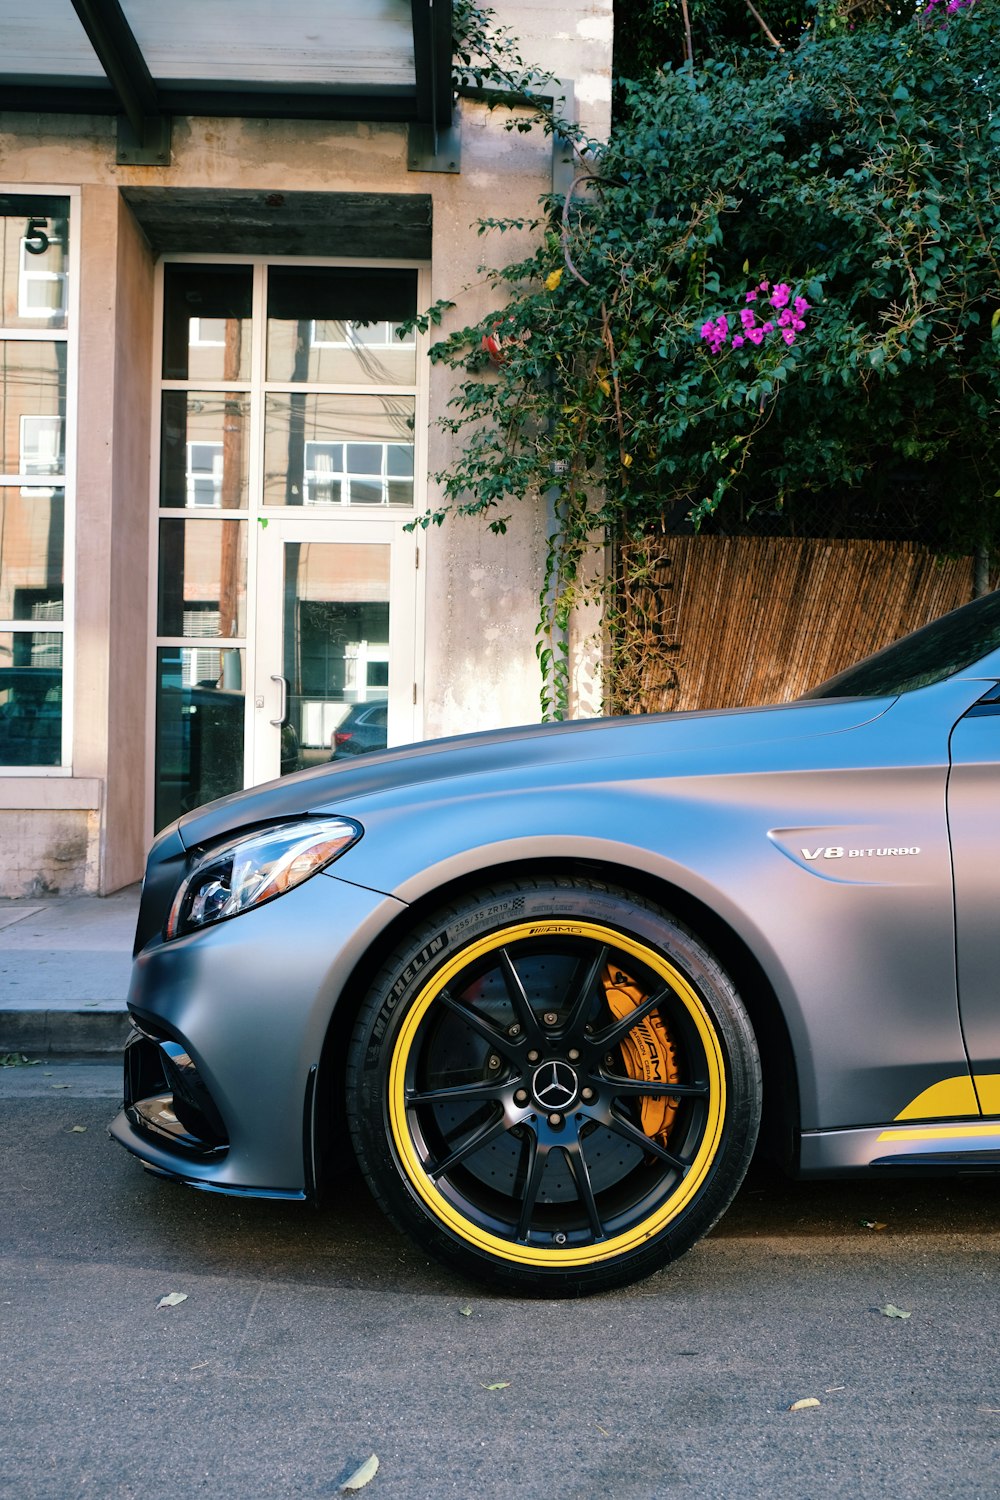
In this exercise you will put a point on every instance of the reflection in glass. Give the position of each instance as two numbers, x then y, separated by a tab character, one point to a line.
34	256
30	698
199	727
203	578
31	554
205	450
206	322
32	407
338	450
340	325
336	661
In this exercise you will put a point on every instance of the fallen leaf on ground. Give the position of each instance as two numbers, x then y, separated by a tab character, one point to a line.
17	1060
804	1404
499	1385
173	1299
361	1476
872	1224
466	1312
78	1130
58	1085
889	1311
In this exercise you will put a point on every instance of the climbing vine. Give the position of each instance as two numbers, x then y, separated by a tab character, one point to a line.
774	293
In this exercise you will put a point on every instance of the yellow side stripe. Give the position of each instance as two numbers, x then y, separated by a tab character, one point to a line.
942	1132
953	1097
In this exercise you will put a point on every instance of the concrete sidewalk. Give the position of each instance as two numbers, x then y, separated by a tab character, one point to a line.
64	973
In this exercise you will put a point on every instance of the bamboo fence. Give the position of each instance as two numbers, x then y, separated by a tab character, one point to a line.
712	622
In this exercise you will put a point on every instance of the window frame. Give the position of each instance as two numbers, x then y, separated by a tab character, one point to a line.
20	482
257	513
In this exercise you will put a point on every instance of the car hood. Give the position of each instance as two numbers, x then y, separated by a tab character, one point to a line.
678	741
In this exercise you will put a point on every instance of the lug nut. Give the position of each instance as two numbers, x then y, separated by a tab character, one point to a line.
560	1238
555	1119
533	1056
514	1030
493	1061
550	1018
587	1094
573	1055
521	1096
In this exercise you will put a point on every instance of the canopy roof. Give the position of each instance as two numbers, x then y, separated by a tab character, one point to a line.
284	59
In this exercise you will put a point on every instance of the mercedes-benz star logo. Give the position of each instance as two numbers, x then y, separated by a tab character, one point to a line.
555	1085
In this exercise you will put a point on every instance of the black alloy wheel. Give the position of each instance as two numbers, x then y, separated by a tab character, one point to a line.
554	1086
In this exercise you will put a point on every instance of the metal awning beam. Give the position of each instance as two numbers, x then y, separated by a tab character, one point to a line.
432	50
250	103
120	56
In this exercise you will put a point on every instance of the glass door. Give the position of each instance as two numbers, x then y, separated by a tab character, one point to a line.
335	646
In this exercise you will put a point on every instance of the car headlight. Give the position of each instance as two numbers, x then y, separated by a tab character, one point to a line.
256	867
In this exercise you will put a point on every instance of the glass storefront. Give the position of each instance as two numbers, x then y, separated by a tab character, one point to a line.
34	348
309	411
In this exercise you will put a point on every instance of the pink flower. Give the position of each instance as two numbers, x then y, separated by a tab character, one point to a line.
781	294
738	340
768	327
801	306
751	296
788	335
756	335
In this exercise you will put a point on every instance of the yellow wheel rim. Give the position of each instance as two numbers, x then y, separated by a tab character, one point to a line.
684	1003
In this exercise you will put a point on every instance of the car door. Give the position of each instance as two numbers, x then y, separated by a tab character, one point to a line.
974	824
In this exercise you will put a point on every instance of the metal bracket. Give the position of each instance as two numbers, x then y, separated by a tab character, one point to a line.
151	149
433	149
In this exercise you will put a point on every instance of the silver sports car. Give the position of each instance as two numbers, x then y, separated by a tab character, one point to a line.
552	984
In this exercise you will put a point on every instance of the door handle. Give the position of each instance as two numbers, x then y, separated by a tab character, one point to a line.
283	711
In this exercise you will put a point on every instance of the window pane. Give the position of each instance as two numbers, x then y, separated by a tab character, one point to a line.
340	325
34	255
31	554
32	407
312	441
206	322
336	657
30	699
205	450
199	727
203	578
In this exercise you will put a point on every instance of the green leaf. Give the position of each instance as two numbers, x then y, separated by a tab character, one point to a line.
890	1311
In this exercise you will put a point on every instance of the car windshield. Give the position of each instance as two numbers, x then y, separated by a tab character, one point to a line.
929	655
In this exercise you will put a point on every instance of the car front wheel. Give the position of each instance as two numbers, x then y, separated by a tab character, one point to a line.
553	1085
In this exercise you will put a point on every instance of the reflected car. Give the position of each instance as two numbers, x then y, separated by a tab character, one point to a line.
362	730
553	986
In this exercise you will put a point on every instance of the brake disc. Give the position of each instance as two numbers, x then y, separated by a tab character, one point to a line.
648	1052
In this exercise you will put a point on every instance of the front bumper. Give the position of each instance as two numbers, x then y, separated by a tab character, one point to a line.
222	1067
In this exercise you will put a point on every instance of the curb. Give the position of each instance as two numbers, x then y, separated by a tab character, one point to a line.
64	1033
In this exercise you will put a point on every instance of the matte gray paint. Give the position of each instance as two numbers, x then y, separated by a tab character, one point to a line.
860	953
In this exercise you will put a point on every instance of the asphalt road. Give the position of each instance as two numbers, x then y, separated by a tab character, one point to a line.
310	1340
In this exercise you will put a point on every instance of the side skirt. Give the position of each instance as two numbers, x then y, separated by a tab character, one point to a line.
959	1146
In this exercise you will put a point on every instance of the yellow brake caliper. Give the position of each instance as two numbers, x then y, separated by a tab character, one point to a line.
648	1052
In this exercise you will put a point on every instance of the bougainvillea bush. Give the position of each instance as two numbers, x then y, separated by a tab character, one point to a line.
777	285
